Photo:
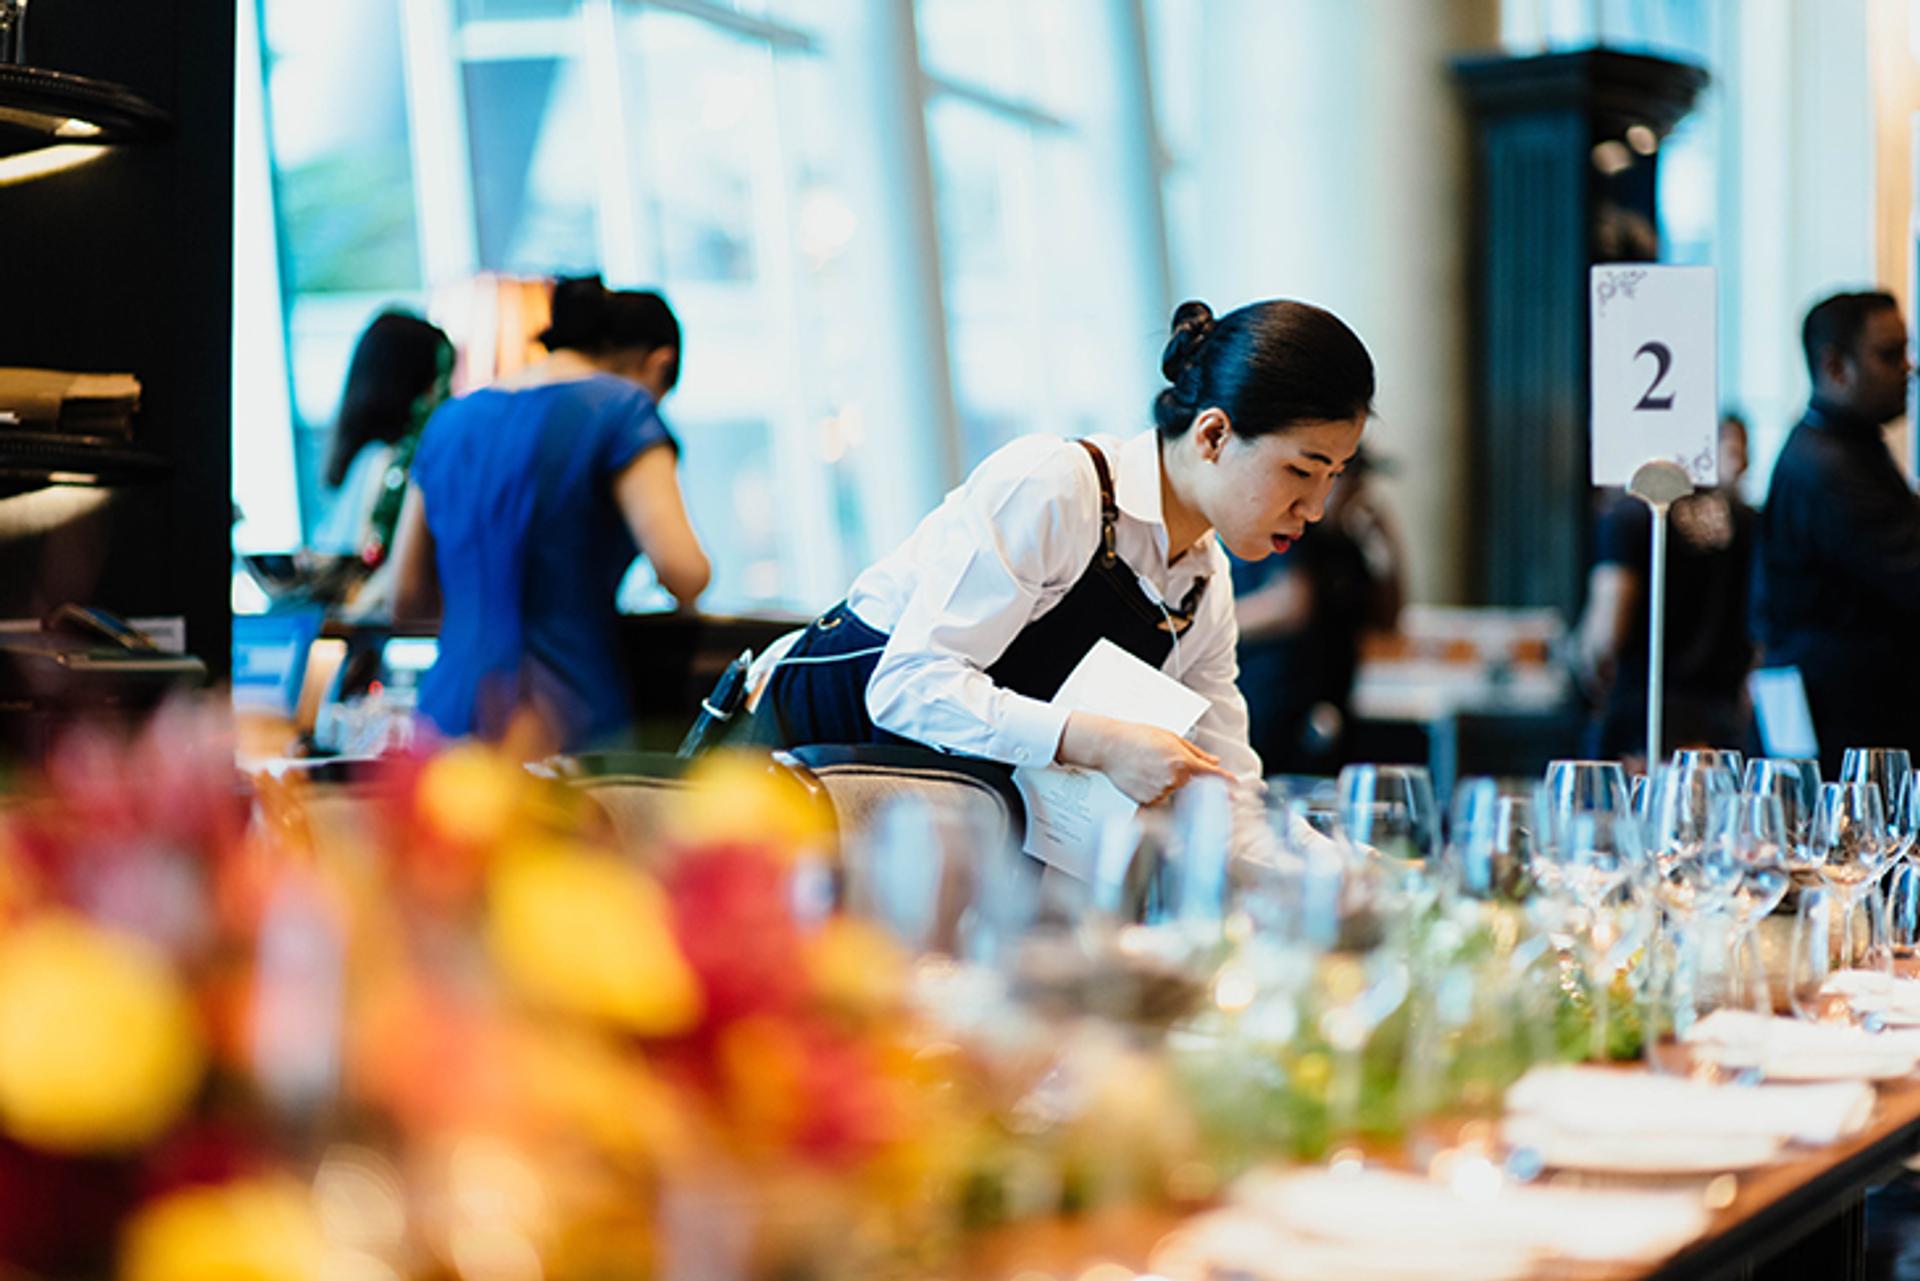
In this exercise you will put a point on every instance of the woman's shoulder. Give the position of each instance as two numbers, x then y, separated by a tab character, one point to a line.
1041	461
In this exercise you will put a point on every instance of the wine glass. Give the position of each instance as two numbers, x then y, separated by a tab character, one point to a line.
1850	838
1810	963
1886	767
1492	838
1796	785
1903	819
1724	759
1709	1013
1591	786
1902	891
1391	809
1760	838
1599	857
1691	831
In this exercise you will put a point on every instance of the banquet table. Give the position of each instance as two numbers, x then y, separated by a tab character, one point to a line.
1804	1217
1800	1219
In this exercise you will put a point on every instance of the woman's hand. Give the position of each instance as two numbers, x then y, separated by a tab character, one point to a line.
1145	762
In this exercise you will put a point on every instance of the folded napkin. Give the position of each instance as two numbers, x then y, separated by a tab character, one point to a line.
1798	1050
1315	1223
1897	999
1595	1100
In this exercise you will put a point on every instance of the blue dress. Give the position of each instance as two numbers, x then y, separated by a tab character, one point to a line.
530	548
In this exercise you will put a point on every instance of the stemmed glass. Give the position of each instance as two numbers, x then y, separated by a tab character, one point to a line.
1724	759
1589	786
1810	965
1391	809
1760	841
1850	839
1886	767
1903	818
1691	820
1796	785
1492	839
1599	859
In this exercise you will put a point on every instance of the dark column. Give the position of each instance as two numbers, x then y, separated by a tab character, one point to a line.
1545	210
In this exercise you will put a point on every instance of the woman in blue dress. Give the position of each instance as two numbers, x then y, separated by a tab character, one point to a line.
530	500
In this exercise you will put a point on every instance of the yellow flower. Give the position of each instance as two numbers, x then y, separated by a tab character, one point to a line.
739	798
585	933
471	795
856	967
582	1085
99	1048
258	1230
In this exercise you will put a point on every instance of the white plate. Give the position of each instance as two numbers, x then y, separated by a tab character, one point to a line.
1644	1153
1240	1243
1838	1067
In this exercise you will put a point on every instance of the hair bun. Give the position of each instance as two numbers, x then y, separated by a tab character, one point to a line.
579	313
1192	322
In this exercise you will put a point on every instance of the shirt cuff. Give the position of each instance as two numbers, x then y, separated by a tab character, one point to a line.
1030	730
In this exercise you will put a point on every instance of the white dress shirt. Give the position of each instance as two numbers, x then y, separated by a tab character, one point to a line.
1002	550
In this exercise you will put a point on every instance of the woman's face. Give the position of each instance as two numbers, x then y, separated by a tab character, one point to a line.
1261	492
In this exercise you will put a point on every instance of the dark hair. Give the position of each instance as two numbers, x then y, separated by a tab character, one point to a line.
395	362
588	317
1836	322
1269	365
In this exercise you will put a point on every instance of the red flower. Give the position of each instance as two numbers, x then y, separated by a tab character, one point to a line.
733	915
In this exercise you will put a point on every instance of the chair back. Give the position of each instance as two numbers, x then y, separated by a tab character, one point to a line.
860	780
633	789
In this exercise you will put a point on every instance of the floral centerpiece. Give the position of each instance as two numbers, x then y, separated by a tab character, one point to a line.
438	1023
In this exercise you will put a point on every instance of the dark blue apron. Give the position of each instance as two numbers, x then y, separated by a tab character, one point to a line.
826	701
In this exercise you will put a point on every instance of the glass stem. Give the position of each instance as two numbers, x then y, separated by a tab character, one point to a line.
1343	1102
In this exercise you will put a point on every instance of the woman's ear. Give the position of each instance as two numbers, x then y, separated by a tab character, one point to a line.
1211	430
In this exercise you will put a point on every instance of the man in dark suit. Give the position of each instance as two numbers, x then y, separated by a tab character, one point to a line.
1837	575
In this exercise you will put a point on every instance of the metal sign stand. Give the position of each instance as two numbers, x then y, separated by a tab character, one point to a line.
1657	484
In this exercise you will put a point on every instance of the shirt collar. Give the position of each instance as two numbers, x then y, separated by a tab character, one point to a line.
1136	490
1137	486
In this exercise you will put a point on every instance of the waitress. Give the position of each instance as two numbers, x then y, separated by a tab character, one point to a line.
960	637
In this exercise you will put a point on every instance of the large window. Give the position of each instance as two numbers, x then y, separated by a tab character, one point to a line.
1040	301
723	153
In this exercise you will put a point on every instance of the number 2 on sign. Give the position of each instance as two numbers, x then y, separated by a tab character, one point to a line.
1663	358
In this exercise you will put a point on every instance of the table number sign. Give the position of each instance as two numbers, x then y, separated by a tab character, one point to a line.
1654	390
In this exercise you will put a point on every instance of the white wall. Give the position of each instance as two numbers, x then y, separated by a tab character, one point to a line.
1332	166
1797	196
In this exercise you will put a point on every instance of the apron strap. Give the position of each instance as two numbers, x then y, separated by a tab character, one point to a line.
1109	508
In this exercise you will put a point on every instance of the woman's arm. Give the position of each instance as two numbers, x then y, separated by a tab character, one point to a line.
1027	518
647	491
1211	666
416	587
1147	763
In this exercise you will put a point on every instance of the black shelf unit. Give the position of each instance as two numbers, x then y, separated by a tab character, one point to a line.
127	265
29	458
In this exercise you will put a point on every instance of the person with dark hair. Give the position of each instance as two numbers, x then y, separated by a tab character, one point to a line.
400	371
530	500
1301	618
961	637
1836	589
